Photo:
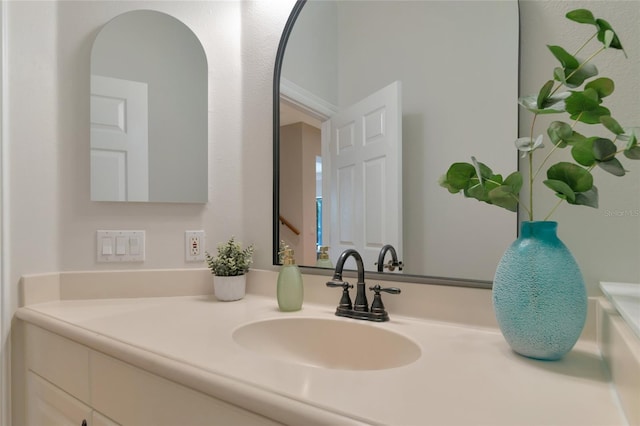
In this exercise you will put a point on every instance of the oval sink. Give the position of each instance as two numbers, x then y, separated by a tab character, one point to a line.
328	343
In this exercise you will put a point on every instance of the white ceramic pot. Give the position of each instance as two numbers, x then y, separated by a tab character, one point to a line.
227	289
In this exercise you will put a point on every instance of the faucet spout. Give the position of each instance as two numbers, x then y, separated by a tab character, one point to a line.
393	264
361	303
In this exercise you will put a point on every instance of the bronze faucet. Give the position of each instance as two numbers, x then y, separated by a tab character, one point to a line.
359	310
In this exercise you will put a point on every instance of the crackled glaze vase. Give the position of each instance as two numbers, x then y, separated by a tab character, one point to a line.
539	296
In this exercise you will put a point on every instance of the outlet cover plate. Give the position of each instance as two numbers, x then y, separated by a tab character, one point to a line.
194	246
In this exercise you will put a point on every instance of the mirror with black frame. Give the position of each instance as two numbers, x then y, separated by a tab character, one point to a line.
149	114
453	66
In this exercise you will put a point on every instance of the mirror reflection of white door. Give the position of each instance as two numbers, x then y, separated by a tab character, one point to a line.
362	176
119	140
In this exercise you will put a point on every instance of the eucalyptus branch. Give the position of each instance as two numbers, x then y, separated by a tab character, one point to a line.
530	186
585	43
572	73
570	179
554	209
554	149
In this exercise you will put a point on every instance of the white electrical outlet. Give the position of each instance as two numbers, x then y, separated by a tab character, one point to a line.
194	246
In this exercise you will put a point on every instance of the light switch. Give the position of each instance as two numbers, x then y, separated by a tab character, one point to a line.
107	246
134	246
120	246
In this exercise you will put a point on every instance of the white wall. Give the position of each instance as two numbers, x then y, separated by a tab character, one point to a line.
311	61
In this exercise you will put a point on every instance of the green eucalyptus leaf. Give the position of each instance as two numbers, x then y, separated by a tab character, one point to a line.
478	192
592	94
559	75
584	107
587	198
577	76
630	135
544	93
582	152
603	26
604	149
566	59
503	197
612	166
608	38
632	153
483	171
592	116
561	188
578	102
559	132
578	178
582	16
526	144
514	182
575	138
553	105
458	177
603	85
611	124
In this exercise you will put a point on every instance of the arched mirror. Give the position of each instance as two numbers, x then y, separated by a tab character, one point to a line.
148	111
372	101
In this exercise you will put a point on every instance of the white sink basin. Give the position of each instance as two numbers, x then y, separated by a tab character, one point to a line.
328	343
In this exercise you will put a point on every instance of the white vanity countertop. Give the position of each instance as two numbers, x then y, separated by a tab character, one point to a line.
465	376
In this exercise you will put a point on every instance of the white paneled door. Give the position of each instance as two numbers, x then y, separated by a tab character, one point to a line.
119	140
362	157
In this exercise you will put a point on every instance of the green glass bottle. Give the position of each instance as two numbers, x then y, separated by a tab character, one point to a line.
290	290
323	258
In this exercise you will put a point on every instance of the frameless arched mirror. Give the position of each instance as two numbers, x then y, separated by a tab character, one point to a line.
148	111
452	67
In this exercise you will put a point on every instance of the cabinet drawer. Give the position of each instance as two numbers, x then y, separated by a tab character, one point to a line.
58	360
132	396
49	405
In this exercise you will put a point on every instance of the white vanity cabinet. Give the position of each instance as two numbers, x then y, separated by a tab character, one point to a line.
68	384
57	382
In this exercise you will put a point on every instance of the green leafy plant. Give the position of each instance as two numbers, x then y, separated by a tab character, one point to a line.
573	91
231	260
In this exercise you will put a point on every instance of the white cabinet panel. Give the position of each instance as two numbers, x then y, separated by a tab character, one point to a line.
58	360
48	405
133	396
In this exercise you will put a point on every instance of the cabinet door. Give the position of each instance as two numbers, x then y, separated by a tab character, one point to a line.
50	405
132	396
98	419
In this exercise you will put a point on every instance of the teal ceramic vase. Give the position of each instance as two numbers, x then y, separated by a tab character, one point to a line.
539	296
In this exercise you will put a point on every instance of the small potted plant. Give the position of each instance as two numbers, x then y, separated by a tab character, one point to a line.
230	267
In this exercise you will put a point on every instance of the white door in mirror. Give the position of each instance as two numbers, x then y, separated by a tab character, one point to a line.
362	190
119	140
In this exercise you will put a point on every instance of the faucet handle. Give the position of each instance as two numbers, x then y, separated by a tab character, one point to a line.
391	290
391	266
377	306
345	300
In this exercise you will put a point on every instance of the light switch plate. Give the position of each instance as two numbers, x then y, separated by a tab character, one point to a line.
120	246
